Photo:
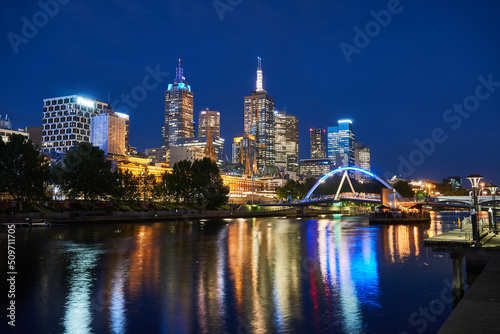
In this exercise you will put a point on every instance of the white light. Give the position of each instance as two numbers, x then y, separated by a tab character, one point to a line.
345	121
121	115
85	102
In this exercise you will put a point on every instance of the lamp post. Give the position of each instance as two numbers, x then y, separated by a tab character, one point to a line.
474	180
493	190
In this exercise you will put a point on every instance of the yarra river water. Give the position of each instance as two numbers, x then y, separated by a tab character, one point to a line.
265	275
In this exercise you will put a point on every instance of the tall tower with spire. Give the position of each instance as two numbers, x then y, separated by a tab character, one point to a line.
259	121
179	101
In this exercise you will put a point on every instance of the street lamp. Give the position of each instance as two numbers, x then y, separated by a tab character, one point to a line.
493	190
474	180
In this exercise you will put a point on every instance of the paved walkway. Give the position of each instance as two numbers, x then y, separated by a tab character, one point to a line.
479	310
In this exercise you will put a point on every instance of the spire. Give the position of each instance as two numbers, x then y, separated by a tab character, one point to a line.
259	75
179	77
209	148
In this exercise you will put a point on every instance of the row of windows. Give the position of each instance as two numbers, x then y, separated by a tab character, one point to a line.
63	131
66	113
61	140
68	119
60	101
69	106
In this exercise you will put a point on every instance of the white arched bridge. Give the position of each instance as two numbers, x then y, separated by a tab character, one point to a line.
440	202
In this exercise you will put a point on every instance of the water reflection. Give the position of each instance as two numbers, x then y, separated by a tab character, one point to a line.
257	275
78	307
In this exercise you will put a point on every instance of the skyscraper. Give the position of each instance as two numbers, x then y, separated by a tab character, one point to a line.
340	145
209	119
362	156
286	141
259	121
318	146
362	160
179	101
66	121
108	132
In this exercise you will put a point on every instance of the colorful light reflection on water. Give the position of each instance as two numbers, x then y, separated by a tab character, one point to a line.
238	276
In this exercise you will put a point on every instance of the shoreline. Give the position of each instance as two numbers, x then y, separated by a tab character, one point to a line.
91	217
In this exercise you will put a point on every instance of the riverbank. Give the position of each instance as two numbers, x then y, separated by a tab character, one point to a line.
92	217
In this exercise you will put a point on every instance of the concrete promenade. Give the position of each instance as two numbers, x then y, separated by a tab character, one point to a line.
479	309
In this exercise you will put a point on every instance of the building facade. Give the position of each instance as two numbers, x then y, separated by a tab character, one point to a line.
259	121
157	155
286	141
201	142
340	143
243	153
316	167
209	120
66	121
362	160
108	132
318	143
362	156
179	102
191	153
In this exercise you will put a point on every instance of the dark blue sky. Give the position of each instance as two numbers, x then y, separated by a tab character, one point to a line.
397	87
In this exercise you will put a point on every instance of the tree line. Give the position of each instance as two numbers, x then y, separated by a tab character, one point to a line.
85	174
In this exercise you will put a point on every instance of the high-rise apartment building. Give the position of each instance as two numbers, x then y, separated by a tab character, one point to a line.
361	160
108	132
259	121
318	143
362	156
209	119
340	143
66	121
179	101
286	141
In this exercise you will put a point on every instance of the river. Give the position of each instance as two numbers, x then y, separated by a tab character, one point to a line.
265	275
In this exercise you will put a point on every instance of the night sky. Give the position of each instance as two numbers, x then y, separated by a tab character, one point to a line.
396	79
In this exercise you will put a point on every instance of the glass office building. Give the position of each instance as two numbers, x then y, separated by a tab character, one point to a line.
340	143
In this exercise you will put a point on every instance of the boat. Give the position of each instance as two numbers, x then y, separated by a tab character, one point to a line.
39	223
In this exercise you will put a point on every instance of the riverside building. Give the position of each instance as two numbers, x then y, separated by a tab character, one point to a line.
67	120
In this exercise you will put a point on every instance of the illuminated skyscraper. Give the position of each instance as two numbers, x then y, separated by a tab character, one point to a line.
209	118
286	141
259	121
341	143
318	145
179	101
362	160
66	121
108	132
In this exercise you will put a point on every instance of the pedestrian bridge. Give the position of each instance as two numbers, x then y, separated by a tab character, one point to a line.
466	199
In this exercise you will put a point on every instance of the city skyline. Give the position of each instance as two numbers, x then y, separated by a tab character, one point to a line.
402	88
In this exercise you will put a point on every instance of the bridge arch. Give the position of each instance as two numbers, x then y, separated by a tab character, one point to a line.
342	169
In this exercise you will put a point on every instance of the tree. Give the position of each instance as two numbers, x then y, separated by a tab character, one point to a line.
85	173
292	189
198	184
179	182
23	171
404	189
126	187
